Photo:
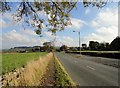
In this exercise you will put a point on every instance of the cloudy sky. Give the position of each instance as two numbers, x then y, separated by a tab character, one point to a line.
94	24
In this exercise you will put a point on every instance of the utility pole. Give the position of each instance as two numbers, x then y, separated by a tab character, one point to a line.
79	40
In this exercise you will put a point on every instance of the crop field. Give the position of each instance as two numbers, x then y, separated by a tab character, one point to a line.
12	61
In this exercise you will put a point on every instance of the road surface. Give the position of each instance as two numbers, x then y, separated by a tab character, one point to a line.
88	73
106	61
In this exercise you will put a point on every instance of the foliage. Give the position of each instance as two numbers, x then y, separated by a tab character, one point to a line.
58	13
13	61
93	45
95	3
104	46
73	48
47	46
63	48
84	46
115	44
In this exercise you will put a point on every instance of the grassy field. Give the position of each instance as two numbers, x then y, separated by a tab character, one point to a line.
16	60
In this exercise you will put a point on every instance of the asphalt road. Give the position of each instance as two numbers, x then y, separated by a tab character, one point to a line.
88	73
106	61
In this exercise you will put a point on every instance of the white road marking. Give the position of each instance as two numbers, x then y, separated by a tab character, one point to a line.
91	67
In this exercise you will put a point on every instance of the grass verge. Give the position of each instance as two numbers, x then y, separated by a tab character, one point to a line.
62	77
108	54
97	51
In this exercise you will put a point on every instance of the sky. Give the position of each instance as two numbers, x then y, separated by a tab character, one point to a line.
94	25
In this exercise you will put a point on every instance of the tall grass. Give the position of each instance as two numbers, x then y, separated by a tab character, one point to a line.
36	70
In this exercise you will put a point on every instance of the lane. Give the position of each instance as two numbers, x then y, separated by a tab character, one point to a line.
103	60
88	73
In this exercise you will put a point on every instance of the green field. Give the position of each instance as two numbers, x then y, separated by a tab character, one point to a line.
16	60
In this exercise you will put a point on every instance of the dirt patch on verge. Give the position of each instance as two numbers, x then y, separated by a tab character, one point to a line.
49	76
56	76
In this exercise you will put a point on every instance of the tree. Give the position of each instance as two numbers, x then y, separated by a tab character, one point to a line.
63	48
104	46
73	48
115	44
93	45
47	46
58	13
84	46
107	46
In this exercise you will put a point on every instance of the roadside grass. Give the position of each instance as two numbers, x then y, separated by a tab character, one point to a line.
12	61
108	54
62	77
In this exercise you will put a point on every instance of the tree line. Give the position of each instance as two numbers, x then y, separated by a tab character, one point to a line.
49	46
95	45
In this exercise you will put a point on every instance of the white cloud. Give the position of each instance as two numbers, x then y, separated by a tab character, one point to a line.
101	36
28	32
48	34
15	36
6	20
62	40
22	38
66	40
108	17
76	24
105	25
